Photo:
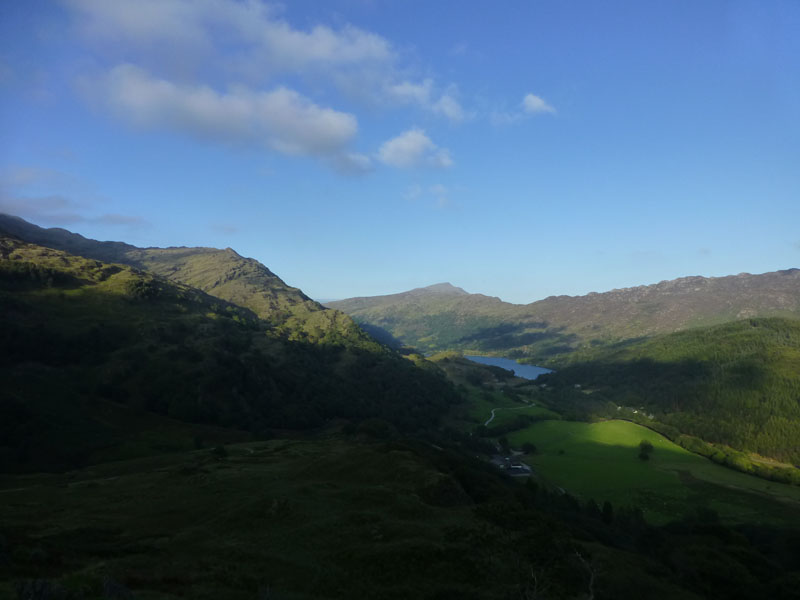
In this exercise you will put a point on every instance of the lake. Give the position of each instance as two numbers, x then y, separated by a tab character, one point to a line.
520	370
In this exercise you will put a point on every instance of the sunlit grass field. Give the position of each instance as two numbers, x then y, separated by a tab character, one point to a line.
600	461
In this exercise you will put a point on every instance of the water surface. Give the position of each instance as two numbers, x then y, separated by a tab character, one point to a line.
520	370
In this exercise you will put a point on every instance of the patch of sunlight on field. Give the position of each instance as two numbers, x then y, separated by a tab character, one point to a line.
600	461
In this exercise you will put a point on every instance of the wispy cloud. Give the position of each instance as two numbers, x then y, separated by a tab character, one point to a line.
413	148
19	176
45	196
62	211
424	95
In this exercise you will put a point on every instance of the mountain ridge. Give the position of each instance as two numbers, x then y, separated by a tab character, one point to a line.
560	324
222	273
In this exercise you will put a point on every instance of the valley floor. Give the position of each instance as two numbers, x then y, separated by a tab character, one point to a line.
600	461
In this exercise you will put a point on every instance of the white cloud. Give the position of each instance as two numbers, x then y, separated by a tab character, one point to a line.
249	31
413	149
247	40
212	69
534	104
280	119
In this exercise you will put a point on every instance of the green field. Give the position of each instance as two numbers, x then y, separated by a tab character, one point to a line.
600	461
480	405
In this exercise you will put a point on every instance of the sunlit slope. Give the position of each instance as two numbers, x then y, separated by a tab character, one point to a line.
601	461
441	318
221	273
737	384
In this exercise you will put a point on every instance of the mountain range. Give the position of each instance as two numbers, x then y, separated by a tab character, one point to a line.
443	316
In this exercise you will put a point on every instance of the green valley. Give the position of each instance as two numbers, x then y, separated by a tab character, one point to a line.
179	422
387	300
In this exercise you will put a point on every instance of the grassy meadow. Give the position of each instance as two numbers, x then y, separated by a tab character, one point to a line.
600	461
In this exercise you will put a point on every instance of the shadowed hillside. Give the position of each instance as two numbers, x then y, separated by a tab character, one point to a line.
84	343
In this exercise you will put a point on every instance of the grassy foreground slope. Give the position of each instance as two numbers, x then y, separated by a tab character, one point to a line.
92	353
443	317
342	518
737	384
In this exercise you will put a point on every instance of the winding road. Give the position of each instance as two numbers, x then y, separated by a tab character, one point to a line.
506	408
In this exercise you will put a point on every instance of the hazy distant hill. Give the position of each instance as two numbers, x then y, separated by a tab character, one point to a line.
443	317
440	317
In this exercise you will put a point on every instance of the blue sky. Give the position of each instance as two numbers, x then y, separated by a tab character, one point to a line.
362	147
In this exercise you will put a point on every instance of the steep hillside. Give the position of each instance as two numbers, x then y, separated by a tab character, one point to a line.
436	319
91	353
737	384
220	273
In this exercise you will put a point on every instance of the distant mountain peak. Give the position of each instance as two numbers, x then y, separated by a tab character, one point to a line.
445	288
